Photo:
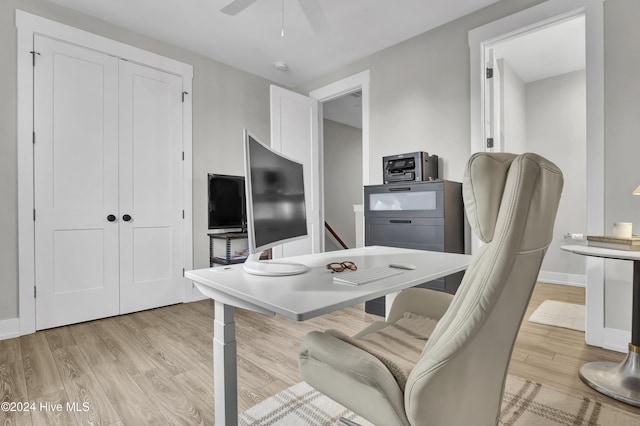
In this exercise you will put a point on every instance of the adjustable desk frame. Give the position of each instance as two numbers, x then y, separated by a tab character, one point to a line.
301	297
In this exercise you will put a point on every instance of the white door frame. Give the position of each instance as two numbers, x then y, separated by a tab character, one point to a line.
359	81
354	83
526	20
27	25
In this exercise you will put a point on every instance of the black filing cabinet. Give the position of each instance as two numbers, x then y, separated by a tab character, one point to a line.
426	215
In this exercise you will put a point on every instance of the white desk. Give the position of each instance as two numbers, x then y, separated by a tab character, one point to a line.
620	381
301	297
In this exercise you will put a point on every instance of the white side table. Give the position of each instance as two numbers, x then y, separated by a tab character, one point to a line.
620	381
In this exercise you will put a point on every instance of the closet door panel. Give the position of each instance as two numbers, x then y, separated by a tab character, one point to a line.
150	188
75	183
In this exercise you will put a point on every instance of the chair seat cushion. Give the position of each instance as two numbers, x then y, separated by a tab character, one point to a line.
398	345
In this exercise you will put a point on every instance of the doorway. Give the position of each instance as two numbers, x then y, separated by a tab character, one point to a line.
351	93
537	98
342	152
525	21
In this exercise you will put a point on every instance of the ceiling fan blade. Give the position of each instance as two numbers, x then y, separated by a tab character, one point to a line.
315	15
236	6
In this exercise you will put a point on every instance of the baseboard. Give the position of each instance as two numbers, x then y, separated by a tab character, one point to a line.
564	279
9	328
196	295
616	340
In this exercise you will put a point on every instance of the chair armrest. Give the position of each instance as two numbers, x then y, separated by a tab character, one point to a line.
357	379
421	301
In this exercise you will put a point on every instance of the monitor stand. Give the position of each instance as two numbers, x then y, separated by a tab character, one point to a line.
253	265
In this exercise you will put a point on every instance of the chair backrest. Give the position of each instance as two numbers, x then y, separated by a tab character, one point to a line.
511	202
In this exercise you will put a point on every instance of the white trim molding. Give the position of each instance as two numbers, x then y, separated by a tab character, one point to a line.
9	328
573	280
359	81
27	26
36	24
524	21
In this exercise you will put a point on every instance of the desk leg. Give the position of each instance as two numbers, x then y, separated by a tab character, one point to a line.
620	381
225	375
388	301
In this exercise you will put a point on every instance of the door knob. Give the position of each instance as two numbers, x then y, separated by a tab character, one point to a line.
126	218
111	218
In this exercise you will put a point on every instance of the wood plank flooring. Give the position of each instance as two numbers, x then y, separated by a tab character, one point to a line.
155	367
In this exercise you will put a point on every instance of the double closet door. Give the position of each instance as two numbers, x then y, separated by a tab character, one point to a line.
108	185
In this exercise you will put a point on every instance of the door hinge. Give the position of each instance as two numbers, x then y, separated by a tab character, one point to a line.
184	93
182	155
34	138
34	292
33	56
34	215
489	72
183	272
489	142
183	214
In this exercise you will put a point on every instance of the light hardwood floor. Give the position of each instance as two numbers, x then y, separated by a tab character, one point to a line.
155	367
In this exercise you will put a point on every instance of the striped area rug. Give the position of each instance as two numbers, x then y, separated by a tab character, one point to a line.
524	403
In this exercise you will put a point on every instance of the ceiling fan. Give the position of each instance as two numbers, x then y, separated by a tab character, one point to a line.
311	9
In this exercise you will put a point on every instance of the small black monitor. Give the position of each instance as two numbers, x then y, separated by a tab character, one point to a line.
276	210
227	206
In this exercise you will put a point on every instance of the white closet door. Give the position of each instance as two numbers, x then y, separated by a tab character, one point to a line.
151	255
76	176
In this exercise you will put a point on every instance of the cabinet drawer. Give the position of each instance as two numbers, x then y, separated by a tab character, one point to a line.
410	200
375	306
415	233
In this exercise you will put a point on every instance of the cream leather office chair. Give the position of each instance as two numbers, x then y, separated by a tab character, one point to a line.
458	377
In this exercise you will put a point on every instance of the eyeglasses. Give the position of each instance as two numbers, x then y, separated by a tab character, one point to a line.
341	266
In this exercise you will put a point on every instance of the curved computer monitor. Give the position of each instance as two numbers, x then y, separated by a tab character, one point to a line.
276	211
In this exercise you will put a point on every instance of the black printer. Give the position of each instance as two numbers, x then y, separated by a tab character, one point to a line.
414	166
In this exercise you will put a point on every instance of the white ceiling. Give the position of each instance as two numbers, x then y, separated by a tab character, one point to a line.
552	51
251	40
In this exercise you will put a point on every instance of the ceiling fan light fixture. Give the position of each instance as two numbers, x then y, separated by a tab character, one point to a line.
281	66
311	9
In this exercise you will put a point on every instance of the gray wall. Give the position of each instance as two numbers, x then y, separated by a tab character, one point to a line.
548	117
225	100
514	109
556	128
342	178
